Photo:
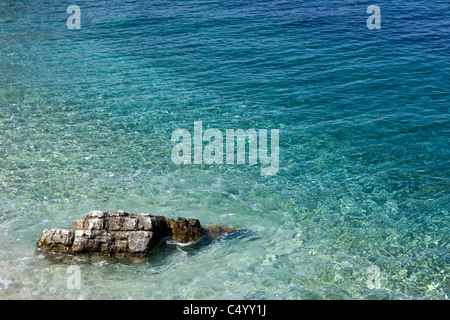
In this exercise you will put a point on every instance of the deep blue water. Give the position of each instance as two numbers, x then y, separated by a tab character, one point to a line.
86	118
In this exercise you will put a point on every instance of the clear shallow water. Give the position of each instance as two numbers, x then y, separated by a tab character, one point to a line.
87	115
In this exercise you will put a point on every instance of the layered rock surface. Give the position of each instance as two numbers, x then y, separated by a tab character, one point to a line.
121	233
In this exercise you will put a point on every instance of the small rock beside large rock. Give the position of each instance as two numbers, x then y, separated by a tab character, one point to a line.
118	233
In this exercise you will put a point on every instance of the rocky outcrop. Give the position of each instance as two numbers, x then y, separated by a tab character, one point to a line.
112	233
118	233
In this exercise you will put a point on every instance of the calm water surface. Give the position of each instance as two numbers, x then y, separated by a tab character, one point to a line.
86	118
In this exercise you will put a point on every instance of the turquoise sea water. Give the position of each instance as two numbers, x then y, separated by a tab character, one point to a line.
86	118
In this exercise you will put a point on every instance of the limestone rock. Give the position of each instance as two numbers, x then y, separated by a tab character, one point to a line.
59	239
118	233
112	233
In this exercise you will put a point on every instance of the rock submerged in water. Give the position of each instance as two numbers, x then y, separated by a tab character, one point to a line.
118	233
